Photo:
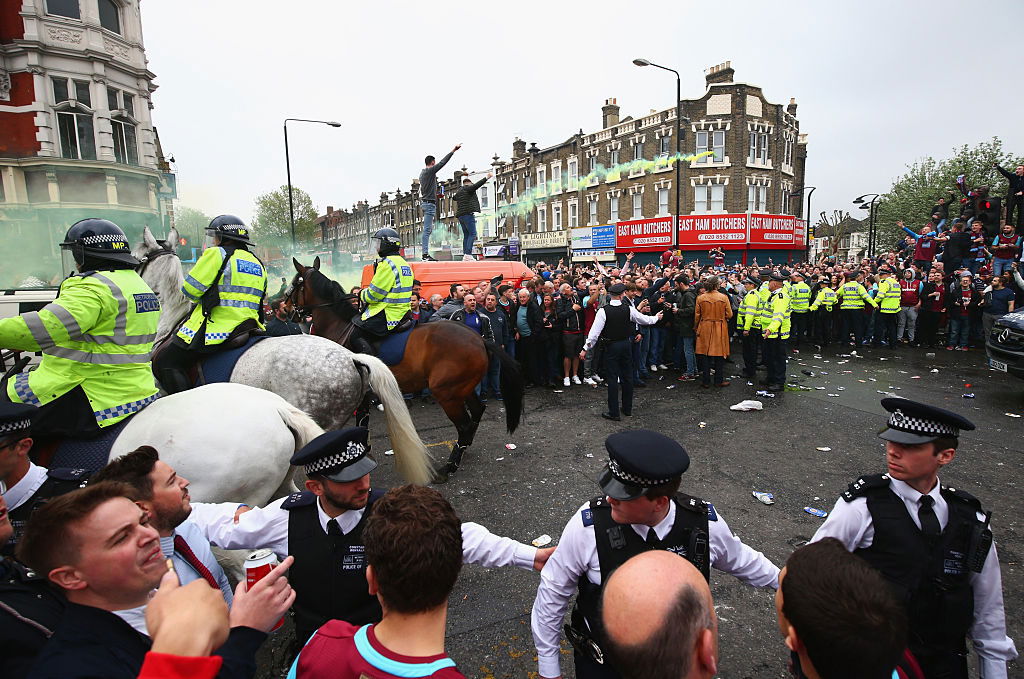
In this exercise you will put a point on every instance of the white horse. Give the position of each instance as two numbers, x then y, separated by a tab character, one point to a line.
231	441
314	374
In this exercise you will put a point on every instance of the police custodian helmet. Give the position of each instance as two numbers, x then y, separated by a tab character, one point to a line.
388	242
230	227
98	239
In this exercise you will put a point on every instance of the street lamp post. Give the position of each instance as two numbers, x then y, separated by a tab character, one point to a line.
872	208
288	165
679	134
807	218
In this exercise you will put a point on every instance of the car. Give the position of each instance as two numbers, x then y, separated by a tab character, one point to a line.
1005	345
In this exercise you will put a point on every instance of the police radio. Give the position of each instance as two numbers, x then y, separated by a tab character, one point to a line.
981	541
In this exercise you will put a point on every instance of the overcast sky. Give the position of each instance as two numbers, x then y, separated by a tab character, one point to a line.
876	83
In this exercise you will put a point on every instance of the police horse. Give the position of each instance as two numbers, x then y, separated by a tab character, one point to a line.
448	358
312	373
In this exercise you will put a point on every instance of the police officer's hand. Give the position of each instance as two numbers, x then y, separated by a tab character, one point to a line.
659	315
583	354
190	620
542	557
242	509
262	606
638	338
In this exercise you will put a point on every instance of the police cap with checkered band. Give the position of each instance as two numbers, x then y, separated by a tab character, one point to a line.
98	239
913	423
15	419
341	456
230	227
640	459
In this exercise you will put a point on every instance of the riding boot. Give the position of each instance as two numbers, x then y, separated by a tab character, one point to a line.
174	381
362	346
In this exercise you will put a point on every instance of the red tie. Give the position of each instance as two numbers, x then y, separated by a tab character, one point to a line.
182	548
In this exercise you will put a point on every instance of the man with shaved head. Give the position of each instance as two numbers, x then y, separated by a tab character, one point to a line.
666	631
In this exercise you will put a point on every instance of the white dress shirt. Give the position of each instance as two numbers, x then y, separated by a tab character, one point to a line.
268	527
19	493
600	318
577	554
850	523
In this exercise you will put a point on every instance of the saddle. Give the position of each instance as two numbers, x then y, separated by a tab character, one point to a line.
390	348
242	337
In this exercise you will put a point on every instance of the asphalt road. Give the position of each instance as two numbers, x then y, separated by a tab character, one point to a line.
534	489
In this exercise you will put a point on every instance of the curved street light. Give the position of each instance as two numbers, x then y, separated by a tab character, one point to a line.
679	134
872	207
288	164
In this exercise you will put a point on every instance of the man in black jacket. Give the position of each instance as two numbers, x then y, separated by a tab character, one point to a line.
96	546
569	308
1014	194
466	205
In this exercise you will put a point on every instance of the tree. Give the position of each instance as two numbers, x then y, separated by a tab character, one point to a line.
191	224
912	195
835	227
271	222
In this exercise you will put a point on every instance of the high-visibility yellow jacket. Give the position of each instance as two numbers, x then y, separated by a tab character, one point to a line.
389	291
799	297
854	296
827	297
888	296
97	334
778	326
240	293
764	314
748	314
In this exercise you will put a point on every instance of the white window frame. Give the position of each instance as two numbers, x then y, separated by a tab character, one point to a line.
663	201
119	131
613	208
757	198
592	211
556	217
665	146
542	181
717	198
637	205
484	197
542	219
574	214
556	177
613	158
573	172
638	150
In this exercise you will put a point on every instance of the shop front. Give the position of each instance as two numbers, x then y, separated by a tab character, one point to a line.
593	242
646	239
547	247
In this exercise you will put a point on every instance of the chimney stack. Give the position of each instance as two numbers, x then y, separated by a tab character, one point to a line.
609	113
330	209
791	109
722	73
518	148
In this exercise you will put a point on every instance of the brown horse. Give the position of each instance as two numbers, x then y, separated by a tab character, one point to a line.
450	359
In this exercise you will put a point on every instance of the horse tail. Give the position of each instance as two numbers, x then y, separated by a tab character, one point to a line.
412	459
302	426
513	386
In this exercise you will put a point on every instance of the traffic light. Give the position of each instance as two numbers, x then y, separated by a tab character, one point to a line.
989	209
183	249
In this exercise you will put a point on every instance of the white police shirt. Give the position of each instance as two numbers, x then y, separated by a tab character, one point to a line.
24	489
577	554
850	523
268	527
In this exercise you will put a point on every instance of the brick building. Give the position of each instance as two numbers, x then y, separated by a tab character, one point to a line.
755	168
76	134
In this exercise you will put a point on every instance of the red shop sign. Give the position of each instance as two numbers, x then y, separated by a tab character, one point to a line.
644	234
774	230
711	230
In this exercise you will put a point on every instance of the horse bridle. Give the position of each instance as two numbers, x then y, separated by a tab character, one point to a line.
303	309
145	261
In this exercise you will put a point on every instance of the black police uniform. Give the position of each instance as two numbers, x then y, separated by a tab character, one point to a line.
930	567
58	481
29	612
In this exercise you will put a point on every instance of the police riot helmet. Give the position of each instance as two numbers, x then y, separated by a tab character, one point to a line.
230	227
98	239
386	242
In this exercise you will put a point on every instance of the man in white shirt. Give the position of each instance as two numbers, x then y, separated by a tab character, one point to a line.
931	542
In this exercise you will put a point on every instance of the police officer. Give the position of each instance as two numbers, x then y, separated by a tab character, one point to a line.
322	528
888	298
749	323
96	339
29	610
799	300
932	542
228	285
641	509
822	306
854	296
775	327
24	484
386	298
613	325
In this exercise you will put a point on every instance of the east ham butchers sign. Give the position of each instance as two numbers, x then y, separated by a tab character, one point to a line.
712	230
776	230
644	234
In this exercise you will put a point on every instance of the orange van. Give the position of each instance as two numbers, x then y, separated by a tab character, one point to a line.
439	276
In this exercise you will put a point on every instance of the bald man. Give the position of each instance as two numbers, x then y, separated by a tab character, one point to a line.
663	630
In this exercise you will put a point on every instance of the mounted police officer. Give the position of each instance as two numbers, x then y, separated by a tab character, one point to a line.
228	285
96	338
931	542
386	298
641	509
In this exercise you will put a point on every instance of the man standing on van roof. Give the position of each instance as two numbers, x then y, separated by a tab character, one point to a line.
466	205
428	196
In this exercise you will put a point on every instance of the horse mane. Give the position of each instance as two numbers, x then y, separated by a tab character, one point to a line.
332	293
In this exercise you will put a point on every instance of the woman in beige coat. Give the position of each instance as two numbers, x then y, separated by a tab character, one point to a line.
711	322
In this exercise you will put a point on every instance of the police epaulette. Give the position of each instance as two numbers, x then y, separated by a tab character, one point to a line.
963	496
301	499
68	474
864	484
697	506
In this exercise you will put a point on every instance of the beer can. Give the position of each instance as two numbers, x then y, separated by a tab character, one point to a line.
257	566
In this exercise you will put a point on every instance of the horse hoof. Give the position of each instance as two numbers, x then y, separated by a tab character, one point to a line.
441	476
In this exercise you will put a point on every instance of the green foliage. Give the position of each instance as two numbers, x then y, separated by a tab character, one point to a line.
191	223
912	195
271	223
